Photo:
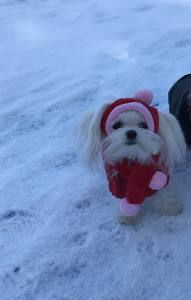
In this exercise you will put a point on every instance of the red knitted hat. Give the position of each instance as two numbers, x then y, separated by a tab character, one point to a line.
141	105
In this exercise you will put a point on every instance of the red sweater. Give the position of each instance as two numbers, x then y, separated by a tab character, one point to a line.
130	180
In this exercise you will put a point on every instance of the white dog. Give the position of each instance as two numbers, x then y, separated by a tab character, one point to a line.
130	130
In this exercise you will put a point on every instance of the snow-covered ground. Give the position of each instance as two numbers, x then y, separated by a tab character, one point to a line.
59	239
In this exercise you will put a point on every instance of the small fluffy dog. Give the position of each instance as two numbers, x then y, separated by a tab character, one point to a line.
139	147
179	98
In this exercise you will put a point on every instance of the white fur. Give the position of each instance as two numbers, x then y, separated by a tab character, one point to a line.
116	144
168	144
90	137
174	147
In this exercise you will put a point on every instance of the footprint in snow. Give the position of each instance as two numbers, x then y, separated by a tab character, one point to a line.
10	214
165	255
182	43
74	270
83	204
109	226
13	225
79	239
146	245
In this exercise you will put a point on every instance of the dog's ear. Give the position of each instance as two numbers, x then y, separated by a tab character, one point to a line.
174	147
90	136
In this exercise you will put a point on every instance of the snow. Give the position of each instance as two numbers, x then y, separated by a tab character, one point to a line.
59	238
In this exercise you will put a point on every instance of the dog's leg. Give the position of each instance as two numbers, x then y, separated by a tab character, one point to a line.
167	201
126	220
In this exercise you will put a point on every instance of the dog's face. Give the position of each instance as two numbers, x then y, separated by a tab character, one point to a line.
130	138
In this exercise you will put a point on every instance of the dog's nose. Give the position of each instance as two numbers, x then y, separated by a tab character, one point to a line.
131	134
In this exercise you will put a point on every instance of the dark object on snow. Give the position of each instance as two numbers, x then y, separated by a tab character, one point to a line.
17	269
179	99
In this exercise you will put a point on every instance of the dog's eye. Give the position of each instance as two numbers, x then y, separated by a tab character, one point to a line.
143	125
117	125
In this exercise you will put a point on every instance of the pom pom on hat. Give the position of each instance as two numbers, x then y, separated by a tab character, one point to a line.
144	95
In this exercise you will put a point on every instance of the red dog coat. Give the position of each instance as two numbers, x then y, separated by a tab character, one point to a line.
131	180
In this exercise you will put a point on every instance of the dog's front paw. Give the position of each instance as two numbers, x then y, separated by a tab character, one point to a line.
128	209
172	209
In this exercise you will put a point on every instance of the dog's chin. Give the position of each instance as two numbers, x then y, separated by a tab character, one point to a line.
131	151
116	147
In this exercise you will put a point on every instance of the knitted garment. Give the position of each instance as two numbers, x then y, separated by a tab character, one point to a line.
131	180
179	104
149	113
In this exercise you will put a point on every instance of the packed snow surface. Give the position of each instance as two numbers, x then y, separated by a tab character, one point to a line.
59	238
